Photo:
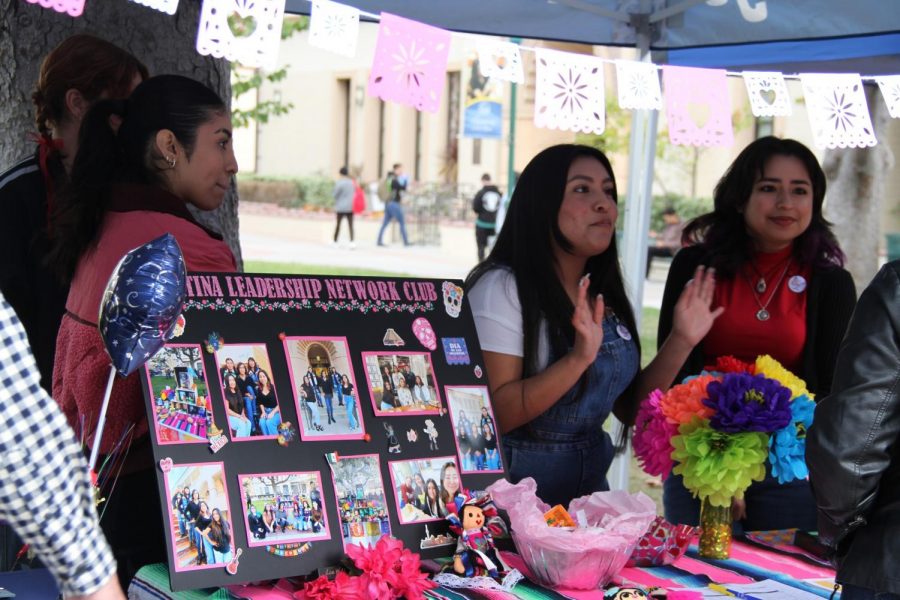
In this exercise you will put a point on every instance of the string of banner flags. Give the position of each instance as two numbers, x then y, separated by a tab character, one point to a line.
409	67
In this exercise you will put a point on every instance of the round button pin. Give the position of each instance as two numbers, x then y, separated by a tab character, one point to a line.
797	283
623	332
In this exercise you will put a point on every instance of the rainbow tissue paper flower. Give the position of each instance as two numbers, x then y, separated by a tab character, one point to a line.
720	429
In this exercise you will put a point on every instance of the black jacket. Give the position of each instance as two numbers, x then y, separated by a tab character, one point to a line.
830	298
28	285
853	446
485	204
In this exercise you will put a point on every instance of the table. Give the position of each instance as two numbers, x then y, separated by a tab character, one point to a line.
30	584
749	562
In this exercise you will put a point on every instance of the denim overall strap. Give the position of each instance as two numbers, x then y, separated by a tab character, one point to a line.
565	449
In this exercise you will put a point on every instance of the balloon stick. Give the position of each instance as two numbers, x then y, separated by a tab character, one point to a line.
98	434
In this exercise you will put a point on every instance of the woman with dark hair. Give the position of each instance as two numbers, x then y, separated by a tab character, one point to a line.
270	522
73	76
219	536
269	411
140	163
308	396
388	398
558	331
491	454
247	385
783	291
201	531
432	504
234	404
450	487
252	367
346	393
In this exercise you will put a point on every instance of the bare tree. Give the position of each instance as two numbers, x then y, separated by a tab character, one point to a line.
856	188
164	43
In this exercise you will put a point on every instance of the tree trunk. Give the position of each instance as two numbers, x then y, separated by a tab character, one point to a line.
166	44
856	187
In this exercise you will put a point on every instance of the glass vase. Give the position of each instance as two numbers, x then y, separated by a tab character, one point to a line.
715	530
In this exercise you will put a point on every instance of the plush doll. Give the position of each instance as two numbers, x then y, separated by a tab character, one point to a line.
476	522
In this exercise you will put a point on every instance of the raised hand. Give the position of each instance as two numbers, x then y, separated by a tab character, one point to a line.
693	316
588	324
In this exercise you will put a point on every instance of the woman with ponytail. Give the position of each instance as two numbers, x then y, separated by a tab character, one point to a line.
141	162
73	76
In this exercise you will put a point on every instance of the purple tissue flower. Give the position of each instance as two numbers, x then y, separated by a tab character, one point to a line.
744	402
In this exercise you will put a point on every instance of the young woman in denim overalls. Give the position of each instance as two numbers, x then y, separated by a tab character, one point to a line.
557	330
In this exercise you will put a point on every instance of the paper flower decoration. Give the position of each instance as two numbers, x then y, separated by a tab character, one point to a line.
685	401
652	432
729	421
787	447
716	465
771	368
745	402
388	570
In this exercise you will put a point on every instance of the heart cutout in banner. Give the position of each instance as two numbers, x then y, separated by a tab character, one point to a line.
166	464
768	96
241	27
699	113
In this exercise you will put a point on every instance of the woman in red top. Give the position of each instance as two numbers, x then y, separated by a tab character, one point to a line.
785	293
140	163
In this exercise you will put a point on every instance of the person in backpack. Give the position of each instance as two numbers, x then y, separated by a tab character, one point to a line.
485	205
392	208
384	187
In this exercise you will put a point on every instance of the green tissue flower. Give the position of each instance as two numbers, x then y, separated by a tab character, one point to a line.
718	465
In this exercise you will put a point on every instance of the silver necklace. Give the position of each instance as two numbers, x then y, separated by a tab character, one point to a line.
763	314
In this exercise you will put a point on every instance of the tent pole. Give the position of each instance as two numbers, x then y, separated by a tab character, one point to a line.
511	155
642	151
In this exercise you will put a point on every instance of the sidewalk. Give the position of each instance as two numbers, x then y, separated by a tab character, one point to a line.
273	234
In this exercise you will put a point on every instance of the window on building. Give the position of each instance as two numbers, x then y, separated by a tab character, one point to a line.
764	126
476	151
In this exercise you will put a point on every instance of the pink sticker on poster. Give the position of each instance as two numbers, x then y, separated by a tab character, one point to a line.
73	8
410	63
698	106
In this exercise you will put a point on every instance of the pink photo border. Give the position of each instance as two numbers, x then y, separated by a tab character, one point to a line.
337	499
395	485
227	427
402	413
308	437
156	424
172	530
325	535
487	396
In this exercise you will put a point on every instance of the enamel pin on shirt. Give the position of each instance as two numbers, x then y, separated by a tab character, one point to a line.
797	283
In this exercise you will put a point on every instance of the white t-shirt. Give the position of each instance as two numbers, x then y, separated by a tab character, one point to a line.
498	316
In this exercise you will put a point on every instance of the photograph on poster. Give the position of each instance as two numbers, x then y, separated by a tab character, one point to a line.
361	500
325	390
180	394
417	488
202	528
402	383
249	389
474	428
283	508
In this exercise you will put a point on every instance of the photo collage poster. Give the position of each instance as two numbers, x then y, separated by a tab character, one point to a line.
292	416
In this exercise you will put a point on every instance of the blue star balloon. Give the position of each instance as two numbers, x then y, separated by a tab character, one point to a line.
142	302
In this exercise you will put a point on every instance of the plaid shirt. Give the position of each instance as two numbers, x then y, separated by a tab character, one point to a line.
45	490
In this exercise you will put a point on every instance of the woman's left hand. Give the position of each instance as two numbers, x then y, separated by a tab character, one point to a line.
693	317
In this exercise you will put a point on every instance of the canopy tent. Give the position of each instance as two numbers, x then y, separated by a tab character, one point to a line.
782	35
807	34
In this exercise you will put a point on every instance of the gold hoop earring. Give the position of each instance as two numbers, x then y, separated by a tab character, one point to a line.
171	161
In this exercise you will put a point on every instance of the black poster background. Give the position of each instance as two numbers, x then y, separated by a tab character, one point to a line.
253	312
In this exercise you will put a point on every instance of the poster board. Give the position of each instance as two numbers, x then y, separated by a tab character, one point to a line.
409	381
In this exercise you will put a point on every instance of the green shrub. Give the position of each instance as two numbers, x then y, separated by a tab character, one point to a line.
312	191
687	208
